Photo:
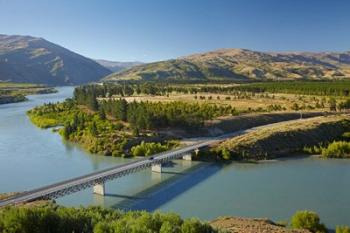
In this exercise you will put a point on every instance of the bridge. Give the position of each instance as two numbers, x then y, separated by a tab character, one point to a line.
97	179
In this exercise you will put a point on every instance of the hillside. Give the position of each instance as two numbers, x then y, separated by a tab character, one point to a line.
242	64
116	66
35	60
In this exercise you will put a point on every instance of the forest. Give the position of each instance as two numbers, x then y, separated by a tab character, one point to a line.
115	126
149	115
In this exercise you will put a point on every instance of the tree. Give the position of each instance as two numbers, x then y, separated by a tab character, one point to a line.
332	104
67	130
102	114
93	129
295	107
92	102
123	109
308	220
226	154
344	105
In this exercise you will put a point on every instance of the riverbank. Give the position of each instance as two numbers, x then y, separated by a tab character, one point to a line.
283	138
17	92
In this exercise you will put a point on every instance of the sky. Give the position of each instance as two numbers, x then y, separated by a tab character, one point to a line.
152	30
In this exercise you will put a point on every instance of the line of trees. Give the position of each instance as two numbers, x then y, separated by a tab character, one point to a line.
322	88
325	88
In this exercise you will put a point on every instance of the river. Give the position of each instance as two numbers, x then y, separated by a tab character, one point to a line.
31	157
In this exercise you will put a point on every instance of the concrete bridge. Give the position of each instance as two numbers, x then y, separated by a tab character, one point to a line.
97	179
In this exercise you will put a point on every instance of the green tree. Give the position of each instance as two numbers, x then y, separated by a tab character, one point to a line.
226	154
308	220
93	129
123	110
195	226
344	105
102	114
67	130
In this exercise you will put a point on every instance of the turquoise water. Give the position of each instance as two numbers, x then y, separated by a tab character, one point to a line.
32	157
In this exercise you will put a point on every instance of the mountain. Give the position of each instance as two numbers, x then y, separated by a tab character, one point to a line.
116	66
35	60
244	65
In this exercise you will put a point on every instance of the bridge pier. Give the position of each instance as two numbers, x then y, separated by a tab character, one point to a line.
157	168
187	157
99	189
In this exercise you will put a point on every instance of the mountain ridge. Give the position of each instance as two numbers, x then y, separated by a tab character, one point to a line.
243	65
36	60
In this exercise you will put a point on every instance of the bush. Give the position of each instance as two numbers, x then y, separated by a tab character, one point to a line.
226	154
342	229
307	220
338	149
146	149
56	219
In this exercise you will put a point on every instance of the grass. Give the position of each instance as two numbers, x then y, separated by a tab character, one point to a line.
285	138
246	102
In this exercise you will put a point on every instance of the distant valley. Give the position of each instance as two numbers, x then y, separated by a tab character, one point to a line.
116	66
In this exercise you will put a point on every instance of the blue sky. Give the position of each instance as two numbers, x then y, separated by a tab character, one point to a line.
150	30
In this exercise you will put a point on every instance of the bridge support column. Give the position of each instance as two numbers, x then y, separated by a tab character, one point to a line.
187	157
99	189
157	168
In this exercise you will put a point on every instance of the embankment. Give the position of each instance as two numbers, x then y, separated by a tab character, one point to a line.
236	123
286	138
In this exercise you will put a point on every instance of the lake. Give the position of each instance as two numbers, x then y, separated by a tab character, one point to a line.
31	157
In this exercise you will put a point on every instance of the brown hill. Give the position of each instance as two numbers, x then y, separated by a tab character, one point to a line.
242	64
35	60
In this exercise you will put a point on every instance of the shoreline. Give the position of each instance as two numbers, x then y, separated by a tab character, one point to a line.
18	92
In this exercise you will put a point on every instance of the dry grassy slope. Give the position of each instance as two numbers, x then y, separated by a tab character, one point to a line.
235	123
242	64
284	138
35	60
251	225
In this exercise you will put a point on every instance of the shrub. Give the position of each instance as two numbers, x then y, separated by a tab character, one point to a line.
338	149
307	220
342	229
57	219
146	149
226	154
